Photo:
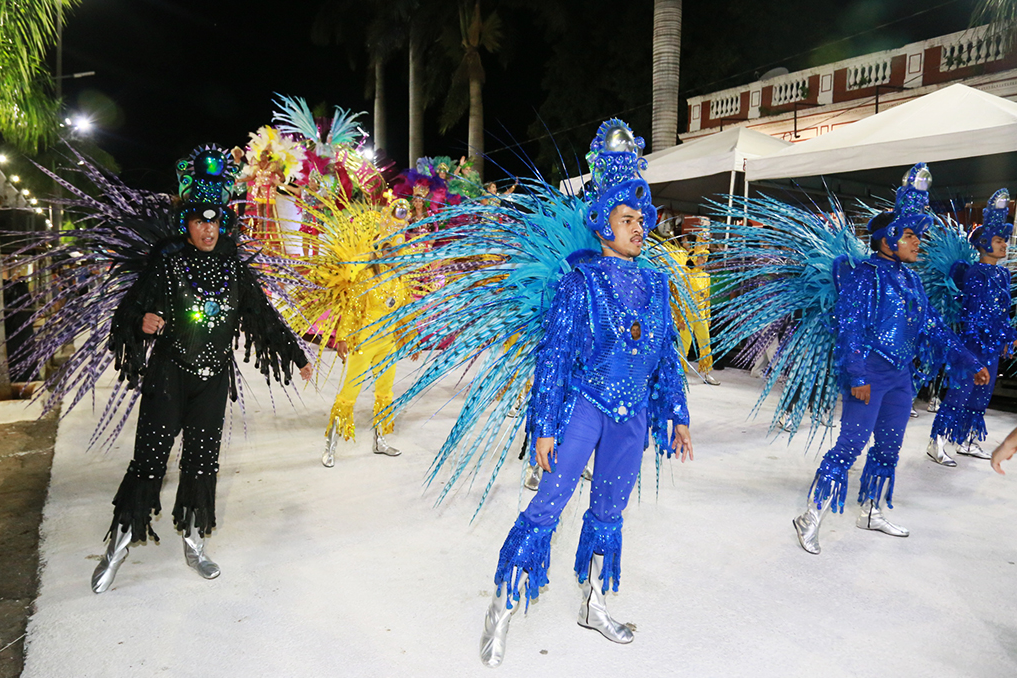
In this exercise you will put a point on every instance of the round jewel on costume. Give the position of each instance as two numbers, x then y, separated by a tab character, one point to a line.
211	163
619	139
390	302
1003	200
210	214
211	308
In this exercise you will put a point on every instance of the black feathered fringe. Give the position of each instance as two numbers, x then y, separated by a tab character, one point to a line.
136	501
195	498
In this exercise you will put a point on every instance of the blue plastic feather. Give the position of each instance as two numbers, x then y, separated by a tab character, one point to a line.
782	263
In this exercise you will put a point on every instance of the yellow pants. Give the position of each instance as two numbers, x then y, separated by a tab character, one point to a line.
701	328
366	357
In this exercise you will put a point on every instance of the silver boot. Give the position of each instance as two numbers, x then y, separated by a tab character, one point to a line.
937	452
116	553
328	458
971	448
588	471
807	525
531	481
934	403
593	610
710	379
496	623
194	554
381	446
871	518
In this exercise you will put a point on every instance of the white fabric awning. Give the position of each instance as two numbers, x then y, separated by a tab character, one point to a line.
950	123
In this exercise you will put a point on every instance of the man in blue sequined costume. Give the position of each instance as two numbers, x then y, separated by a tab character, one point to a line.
986	331
884	322
608	374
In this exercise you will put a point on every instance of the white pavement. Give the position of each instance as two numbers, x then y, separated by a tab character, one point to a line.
349	571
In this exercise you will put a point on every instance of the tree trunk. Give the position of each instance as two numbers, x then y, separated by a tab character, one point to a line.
380	128
667	43
476	136
5	374
416	100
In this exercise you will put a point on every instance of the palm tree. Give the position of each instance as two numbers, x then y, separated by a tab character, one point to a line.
466	91
28	110
347	22
667	43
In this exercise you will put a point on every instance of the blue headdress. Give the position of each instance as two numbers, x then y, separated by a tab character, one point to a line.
995	221
615	164
206	179
911	209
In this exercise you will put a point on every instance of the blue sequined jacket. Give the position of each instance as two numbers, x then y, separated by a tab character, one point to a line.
610	338
985	311
882	309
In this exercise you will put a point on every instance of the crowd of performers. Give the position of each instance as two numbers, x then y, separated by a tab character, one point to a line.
563	305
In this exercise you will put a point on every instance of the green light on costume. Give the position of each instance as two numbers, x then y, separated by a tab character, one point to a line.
197	316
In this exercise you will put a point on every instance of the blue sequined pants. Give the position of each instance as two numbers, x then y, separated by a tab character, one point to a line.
885	417
961	415
619	453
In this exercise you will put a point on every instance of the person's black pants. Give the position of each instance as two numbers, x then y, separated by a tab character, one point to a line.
173	400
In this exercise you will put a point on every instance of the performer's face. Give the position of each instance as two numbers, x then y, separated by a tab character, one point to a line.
627	226
202	233
908	246
999	247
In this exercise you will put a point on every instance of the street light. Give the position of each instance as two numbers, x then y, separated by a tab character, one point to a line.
15	178
34	201
82	125
3	158
25	192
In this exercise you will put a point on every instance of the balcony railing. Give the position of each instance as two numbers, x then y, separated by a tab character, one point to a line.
725	107
868	74
971	49
788	92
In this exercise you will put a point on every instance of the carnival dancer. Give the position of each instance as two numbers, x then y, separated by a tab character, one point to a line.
543	311
884	322
191	301
984	325
699	283
377	291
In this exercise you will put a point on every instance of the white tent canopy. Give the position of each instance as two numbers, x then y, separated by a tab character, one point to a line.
951	123
718	153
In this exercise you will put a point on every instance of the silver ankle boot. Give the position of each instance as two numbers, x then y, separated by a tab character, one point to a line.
588	472
116	553
937	452
871	518
934	403
807	525
381	446
328	458
531	481
593	610
971	448
496	623
194	554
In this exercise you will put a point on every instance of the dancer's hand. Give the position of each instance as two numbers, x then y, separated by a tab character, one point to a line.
152	323
982	377
682	442
306	372
342	349
546	454
1004	451
862	393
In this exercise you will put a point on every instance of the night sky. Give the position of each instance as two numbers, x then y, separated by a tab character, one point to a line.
171	74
